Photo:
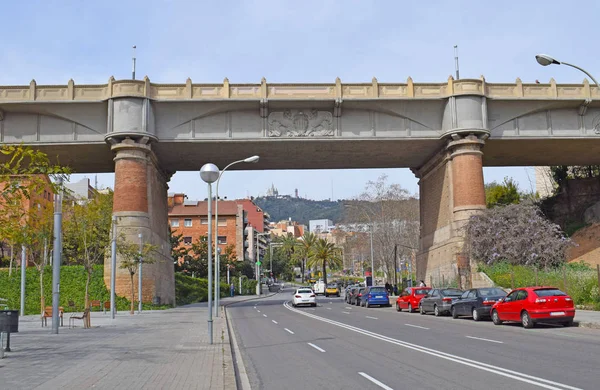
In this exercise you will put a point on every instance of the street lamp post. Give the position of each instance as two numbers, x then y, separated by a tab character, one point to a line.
258	278
209	174
373	282
140	276
545	60
252	159
56	257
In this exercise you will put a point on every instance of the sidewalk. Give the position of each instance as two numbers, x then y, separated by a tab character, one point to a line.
163	349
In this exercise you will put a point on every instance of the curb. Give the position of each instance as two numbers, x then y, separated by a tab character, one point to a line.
589	325
242	381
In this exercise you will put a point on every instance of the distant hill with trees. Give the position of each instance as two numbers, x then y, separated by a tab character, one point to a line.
300	209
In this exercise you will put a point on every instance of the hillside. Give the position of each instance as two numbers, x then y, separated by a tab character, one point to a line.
299	209
588	245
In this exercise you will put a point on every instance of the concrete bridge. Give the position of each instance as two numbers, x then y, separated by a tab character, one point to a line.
445	132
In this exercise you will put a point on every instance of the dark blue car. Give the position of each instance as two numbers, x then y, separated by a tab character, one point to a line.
375	295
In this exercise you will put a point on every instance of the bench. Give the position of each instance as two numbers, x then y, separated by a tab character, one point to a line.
48	314
83	317
95	303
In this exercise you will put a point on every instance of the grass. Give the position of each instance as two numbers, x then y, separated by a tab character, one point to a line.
576	279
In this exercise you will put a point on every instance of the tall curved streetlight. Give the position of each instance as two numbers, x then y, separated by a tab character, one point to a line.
545	60
252	159
209	173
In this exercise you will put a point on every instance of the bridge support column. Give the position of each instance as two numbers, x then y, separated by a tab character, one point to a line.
451	190
140	205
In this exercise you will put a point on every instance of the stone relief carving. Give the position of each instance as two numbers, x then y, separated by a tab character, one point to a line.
596	124
300	123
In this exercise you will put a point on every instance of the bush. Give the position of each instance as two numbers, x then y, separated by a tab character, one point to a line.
192	290
582	281
72	288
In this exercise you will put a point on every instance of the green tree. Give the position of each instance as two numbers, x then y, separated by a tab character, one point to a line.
304	247
25	174
325	253
87	227
131	256
502	194
195	259
177	249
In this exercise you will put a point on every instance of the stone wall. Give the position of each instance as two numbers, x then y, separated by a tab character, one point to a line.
569	205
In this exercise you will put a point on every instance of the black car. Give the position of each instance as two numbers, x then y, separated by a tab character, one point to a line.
477	302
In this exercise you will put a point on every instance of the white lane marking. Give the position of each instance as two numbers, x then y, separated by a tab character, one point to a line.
373	318
275	322
348	307
330	303
346	312
255	307
375	381
316	347
264	315
537	381
417	326
289	331
480	338
328	308
258	310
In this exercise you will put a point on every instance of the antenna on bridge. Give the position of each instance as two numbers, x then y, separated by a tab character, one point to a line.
456	61
133	65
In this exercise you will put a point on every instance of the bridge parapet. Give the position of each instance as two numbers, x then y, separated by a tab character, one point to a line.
294	91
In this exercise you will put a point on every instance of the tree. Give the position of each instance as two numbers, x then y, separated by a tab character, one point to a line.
177	249
325	253
392	215
502	194
517	233
87	228
304	246
289	244
132	255
195	259
25	184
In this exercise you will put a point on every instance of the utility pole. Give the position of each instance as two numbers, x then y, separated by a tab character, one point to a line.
56	257
113	266
395	265
140	277
456	61
133	64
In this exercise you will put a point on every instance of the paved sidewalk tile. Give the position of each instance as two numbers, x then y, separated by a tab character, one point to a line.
155	350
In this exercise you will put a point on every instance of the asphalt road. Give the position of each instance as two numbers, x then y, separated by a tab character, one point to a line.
338	346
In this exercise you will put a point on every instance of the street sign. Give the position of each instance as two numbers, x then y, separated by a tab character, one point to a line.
258	263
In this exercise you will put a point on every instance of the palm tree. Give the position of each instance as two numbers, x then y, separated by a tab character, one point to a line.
305	245
288	246
324	253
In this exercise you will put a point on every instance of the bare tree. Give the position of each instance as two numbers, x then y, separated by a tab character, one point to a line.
392	214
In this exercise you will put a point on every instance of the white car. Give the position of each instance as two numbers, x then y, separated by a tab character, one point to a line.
304	296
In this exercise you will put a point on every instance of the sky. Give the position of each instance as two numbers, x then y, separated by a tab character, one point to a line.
296	41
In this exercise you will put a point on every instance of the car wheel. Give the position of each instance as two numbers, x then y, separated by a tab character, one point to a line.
326	295
436	311
526	320
566	324
475	315
367	304
398	308
421	310
410	309
314	305
454	313
496	318
293	304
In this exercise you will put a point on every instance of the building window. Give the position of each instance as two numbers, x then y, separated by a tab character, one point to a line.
187	222
222	240
187	240
174	223
222	222
204	221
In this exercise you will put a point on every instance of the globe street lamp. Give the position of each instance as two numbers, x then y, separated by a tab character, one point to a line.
209	174
545	60
252	159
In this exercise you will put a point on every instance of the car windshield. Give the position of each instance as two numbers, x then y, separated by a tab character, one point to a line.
328	286
378	289
421	291
491	292
450	292
305	291
549	292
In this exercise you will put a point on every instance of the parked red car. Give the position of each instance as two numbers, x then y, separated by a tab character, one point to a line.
529	305
410	298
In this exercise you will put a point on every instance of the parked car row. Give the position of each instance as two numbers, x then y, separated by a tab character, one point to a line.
367	296
527	305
